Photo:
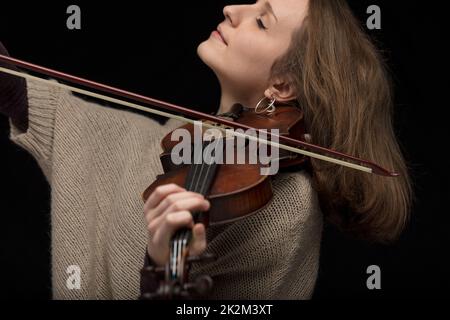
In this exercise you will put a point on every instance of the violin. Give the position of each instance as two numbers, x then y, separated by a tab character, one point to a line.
237	186
240	187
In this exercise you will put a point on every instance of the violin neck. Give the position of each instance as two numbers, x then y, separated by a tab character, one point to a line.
199	179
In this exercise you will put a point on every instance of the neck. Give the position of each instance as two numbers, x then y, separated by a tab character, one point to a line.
229	98
226	102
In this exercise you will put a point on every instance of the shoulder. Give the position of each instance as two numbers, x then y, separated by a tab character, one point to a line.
296	205
295	192
299	181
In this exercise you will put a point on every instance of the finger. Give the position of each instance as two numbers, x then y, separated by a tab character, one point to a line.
160	193
153	227
170	224
172	200
198	244
188	204
192	203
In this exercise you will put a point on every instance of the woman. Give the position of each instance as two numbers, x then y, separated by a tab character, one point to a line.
310	53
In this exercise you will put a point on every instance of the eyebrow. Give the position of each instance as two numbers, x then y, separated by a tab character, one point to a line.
270	9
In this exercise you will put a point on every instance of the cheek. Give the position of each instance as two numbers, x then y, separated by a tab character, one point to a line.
250	57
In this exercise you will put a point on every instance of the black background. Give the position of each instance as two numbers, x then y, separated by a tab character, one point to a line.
150	48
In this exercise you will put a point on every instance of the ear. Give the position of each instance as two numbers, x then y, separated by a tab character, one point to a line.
281	90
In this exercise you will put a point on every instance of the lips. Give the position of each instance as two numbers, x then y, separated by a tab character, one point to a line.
221	35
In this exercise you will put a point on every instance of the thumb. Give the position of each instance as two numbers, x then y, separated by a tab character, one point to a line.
198	244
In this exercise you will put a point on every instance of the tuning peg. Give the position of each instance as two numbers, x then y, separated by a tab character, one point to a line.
201	286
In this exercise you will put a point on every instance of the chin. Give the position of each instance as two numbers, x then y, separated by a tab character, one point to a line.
210	55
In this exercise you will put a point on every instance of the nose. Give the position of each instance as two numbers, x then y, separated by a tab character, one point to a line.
237	14
229	13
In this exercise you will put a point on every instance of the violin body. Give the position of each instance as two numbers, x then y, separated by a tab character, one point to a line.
231	184
237	186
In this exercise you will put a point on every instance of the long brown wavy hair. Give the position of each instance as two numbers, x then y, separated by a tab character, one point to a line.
345	91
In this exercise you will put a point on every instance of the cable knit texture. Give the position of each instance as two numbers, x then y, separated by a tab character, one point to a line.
99	160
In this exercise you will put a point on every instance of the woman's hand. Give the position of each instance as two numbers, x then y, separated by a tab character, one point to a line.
168	209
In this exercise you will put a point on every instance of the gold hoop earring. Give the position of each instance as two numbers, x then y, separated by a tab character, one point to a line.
270	108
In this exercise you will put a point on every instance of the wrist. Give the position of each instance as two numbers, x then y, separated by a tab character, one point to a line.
155	259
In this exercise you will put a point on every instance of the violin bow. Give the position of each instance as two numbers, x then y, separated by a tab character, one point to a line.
289	144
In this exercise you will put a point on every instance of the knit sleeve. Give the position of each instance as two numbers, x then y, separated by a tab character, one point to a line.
38	138
63	126
273	254
13	95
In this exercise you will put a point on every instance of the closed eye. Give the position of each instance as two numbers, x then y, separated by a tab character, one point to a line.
260	24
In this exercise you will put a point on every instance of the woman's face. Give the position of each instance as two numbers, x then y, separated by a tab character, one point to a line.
251	38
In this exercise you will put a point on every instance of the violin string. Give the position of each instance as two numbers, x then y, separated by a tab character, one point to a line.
189	186
197	183
184	246
184	119
203	186
172	254
174	263
178	236
178	255
174	259
193	185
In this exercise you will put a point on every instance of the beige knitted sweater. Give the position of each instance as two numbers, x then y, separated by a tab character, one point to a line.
98	161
